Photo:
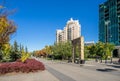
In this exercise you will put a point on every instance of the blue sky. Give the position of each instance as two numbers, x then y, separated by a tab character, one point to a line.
37	20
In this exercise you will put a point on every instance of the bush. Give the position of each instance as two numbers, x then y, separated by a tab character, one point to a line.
30	65
24	57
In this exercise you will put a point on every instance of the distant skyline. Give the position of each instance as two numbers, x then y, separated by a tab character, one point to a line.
38	20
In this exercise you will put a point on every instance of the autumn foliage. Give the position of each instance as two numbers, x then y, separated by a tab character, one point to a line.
40	53
44	52
6	29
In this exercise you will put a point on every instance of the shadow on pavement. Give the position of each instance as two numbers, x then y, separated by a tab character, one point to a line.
115	66
106	70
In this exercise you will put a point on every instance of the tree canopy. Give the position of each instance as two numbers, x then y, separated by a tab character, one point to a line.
7	28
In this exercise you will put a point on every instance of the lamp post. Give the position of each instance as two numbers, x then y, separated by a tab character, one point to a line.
111	56
119	31
111	51
73	47
106	35
52	56
73	33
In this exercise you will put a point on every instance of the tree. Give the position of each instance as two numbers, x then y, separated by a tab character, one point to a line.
108	48
6	52
92	50
7	28
55	51
86	52
100	49
62	50
26	49
15	52
16	46
48	49
20	48
24	55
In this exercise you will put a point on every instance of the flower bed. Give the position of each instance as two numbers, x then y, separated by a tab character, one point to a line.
30	65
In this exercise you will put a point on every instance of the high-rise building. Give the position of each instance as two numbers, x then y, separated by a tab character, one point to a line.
89	43
71	31
58	35
109	22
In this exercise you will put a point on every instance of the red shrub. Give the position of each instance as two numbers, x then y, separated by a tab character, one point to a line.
30	65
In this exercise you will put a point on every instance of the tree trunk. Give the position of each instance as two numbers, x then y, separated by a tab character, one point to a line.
111	60
105	60
101	60
0	52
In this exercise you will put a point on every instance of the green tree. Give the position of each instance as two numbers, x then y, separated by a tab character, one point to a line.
6	52
108	48
26	49
48	50
86	52
100	49
16	49
20	48
15	52
92	50
55	51
68	49
62	50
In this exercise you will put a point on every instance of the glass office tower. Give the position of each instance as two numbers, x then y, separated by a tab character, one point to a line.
109	22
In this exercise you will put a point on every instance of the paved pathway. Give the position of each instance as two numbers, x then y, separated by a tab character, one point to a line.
81	73
37	76
62	71
59	75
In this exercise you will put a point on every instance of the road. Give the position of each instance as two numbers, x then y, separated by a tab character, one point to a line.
88	72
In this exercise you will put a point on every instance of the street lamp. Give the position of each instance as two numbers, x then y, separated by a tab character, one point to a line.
73	33
111	51
119	26
106	32
106	26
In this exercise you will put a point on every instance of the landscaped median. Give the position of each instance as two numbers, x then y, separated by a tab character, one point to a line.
30	65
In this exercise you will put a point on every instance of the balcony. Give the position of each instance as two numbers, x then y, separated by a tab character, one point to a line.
118	8
118	12
118	2
106	10
107	18
106	13
118	24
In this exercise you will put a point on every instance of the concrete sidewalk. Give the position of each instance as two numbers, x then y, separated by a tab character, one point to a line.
89	72
37	76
